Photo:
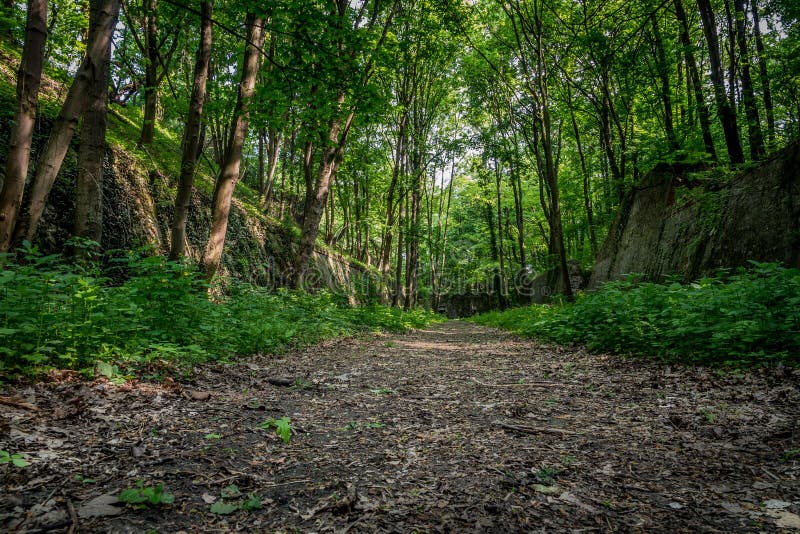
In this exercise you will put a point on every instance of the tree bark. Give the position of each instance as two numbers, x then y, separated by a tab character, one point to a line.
727	114
587	197
663	75
503	296
229	171
29	77
693	79
92	151
763	74
754	134
67	120
412	260
191	135
150	73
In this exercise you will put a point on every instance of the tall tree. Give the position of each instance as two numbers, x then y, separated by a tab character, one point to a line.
693	79
347	29
229	171
727	115
754	134
19	145
763	73
191	134
91	154
71	110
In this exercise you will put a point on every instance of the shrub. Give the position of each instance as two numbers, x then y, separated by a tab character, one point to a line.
747	318
145	308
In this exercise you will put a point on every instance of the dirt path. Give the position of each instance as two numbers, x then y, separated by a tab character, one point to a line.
457	428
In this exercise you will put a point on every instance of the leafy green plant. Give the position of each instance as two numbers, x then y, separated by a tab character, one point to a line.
750	317
282	427
16	459
226	507
144	315
146	496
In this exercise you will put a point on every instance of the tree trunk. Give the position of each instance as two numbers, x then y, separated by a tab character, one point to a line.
412	260
503	296
273	149
754	134
92	151
191	135
693	77
398	275
663	75
150	72
67	120
29	77
763	75
587	197
229	171
727	114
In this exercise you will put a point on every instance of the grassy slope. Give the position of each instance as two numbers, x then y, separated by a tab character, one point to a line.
254	238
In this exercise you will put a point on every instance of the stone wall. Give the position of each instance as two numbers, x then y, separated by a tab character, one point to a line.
676	223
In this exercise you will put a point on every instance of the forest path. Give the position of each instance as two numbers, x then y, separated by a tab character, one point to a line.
454	428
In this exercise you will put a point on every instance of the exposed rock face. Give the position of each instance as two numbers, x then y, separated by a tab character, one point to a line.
672	224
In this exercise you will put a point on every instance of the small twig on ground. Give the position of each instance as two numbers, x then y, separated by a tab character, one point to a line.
73	516
534	429
523	384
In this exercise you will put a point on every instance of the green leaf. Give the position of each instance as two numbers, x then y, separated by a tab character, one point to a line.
223	508
253	502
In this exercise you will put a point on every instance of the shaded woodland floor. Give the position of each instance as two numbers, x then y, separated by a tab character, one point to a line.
456	428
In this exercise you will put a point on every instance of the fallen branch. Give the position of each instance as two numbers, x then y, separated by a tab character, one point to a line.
523	384
10	401
535	429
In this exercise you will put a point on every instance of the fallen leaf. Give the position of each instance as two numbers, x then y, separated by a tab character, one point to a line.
774	504
208	499
102	506
784	519
547	490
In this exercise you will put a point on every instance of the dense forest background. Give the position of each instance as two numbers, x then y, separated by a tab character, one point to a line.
439	143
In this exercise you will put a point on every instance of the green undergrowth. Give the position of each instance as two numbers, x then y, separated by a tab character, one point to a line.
742	319
146	316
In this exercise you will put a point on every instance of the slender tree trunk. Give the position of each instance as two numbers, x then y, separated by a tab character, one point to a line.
443	259
317	195
763	74
412	260
91	154
273	149
731	47
503	297
754	134
191	135
229	172
262	167
727	114
587	195
29	77
663	75
67	120
693	76
150	72
386	241
398	275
